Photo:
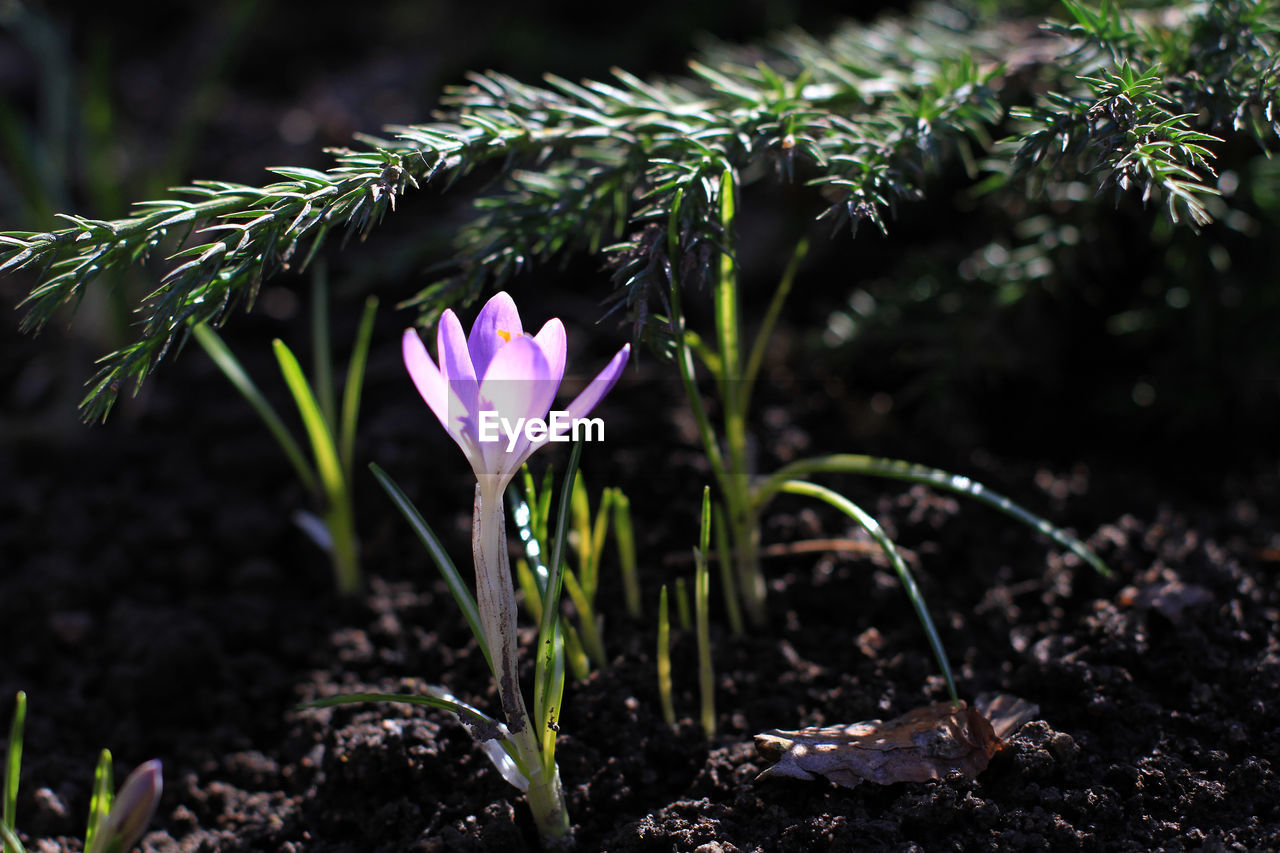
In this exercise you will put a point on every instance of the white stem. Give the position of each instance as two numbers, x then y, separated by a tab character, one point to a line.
496	599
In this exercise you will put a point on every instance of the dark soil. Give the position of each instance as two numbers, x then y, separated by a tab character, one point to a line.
155	599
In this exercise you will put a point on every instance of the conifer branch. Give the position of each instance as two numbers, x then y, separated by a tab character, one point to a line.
1130	102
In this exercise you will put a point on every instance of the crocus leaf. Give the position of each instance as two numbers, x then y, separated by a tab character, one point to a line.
457	586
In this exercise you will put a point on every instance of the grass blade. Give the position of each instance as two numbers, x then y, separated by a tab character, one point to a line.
848	463
457	586
491	735
756	358
553	696
724	553
355	386
702	596
529	590
100	800
339	513
683	610
13	768
474	719
581	505
591	641
624	537
231	368
12	844
549	676
869	524
599	533
313	419
664	659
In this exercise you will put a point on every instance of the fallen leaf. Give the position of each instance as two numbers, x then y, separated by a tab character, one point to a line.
1005	713
927	743
1169	598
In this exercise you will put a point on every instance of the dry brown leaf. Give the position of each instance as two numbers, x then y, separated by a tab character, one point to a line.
1005	713
927	743
1169	598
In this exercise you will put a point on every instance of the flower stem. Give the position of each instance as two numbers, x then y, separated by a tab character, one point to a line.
546	801
496	601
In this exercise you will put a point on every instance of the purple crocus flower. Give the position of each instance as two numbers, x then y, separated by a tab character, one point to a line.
500	374
501	370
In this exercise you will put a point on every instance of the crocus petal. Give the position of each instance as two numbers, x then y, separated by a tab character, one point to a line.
451	349
455	365
518	384
448	408
426	376
601	385
587	400
551	340
499	315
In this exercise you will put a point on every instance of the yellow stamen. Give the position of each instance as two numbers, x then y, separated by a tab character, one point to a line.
506	336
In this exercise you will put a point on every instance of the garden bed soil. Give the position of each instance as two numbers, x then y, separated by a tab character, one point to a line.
155	599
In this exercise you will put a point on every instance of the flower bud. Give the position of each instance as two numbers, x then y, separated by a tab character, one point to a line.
131	811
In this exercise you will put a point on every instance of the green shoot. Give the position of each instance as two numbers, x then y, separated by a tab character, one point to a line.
529	589
339	514
100	800
771	315
599	531
580	536
724	556
549	674
683	610
353	390
13	768
531	571
584	641
574	653
530	516
624	536
702	597
543	503
332	435
664	660
588	630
